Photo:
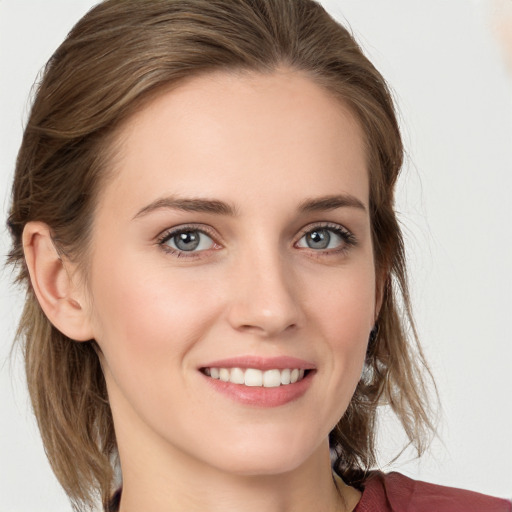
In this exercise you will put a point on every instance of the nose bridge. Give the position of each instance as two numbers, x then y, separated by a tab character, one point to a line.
264	299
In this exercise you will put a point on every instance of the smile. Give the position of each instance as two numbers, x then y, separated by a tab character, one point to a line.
253	377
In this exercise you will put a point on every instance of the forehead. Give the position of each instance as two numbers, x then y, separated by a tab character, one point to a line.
225	132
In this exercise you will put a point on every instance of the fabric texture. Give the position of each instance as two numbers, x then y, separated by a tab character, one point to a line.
394	492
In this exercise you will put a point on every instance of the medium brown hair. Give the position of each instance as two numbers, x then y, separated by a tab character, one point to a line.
119	55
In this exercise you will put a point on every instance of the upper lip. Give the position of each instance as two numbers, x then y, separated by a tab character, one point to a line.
262	363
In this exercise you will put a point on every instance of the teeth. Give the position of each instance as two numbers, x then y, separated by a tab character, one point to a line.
271	379
237	376
285	376
253	377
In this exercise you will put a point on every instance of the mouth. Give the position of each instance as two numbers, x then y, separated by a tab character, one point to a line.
260	381
254	377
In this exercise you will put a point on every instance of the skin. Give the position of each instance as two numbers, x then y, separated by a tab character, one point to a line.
263	144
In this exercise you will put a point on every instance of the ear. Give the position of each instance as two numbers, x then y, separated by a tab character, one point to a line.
53	285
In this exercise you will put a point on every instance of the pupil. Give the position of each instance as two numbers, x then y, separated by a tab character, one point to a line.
187	241
318	239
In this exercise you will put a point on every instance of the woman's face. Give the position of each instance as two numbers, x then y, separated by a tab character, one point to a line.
233	241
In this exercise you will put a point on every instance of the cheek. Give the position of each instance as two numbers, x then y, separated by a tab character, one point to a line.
345	316
345	304
147	315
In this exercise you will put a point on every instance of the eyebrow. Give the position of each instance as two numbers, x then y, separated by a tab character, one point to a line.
217	207
189	205
333	202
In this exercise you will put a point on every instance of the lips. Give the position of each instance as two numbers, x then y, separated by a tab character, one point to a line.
266	382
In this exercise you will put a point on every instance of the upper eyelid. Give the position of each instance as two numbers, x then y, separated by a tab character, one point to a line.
324	225
202	228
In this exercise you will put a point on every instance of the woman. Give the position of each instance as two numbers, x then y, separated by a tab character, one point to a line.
203	214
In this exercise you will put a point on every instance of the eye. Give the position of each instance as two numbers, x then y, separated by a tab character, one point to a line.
325	238
186	240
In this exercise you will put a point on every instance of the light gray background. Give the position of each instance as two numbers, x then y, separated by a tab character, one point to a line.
454	201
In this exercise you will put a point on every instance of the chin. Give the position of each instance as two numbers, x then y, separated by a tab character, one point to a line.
264	455
262	465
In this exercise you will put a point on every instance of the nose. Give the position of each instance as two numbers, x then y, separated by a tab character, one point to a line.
264	298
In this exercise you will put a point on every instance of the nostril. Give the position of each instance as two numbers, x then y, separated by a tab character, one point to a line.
267	328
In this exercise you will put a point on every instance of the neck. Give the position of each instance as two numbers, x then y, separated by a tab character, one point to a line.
177	485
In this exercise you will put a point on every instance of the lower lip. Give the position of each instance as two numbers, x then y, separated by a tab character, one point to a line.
261	396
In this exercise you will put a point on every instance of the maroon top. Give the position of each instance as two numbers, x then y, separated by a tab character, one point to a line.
394	492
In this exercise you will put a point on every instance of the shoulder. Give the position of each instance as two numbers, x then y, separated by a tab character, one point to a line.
394	492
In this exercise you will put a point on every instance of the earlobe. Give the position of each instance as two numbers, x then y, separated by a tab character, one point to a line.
53	284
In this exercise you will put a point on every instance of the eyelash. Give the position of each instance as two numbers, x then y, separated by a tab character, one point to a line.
171	233
349	240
